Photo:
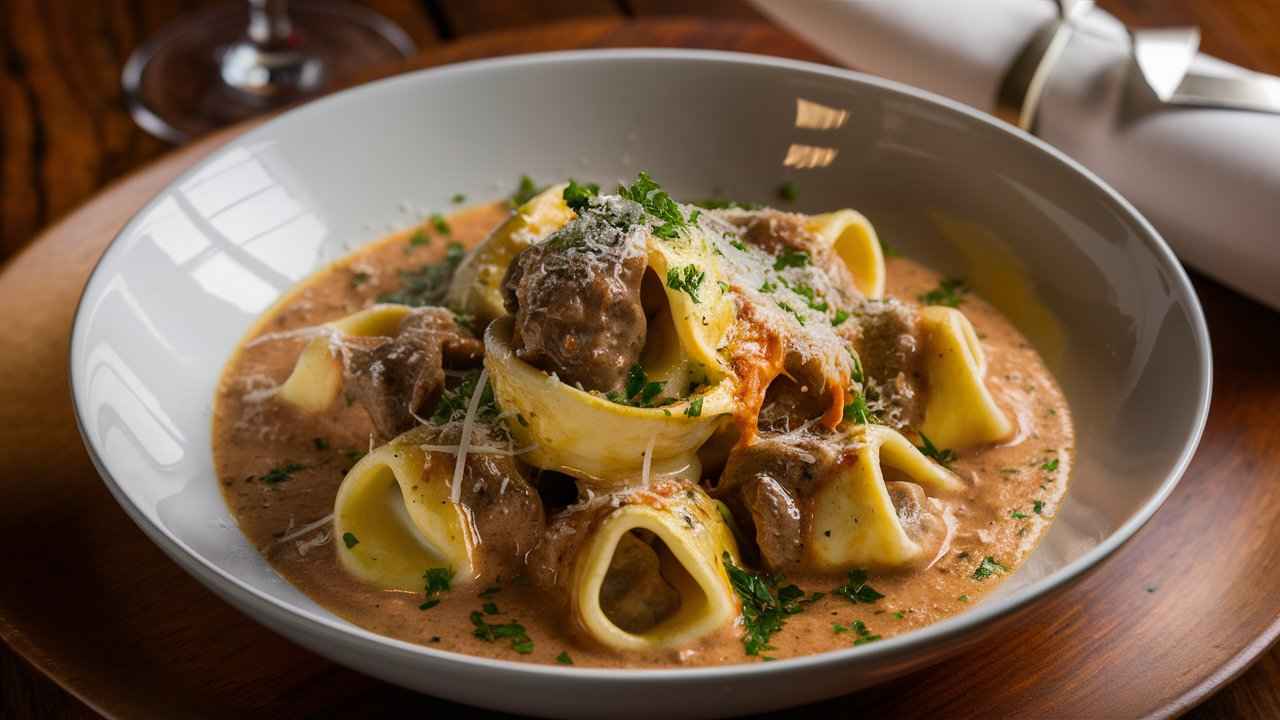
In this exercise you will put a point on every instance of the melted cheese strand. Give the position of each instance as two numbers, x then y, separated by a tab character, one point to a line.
468	426
305	529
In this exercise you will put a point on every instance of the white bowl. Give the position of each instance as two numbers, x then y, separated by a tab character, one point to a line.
184	280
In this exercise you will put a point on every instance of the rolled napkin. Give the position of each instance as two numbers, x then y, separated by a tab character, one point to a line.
1207	178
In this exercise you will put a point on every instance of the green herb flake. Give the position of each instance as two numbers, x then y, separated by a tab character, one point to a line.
419	238
578	196
1038	507
838	628
899	615
787	192
563	658
840	316
489	608
350	540
320	443
738	244
950	292
429	604
794	313
963	598
695	408
988	567
428	284
929	450
864	634
359	278
439	579
514	631
281	473
458	199
489	591
687	280
1018	515
789	258
764	610
525	192
655	201
1050	465
858	412
454	400
440	224
856	590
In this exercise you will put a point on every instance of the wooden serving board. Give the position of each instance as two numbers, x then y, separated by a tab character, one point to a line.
1180	610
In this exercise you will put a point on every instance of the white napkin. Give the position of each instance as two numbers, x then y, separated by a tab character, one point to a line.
1208	179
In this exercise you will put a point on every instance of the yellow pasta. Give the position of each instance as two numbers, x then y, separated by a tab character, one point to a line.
854	239
316	379
855	523
651	573
960	411
477	285
701	325
395	504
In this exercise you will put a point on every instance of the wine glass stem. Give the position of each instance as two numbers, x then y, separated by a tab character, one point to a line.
269	24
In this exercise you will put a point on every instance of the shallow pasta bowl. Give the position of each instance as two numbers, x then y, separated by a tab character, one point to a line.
1069	261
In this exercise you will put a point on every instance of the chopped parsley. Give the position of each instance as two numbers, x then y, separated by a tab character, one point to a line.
856	590
524	192
281	473
438	580
428	284
458	199
320	443
886	249
639	391
687	280
988	567
1018	515
489	591
454	400
695	408
864	635
929	450
655	201
899	615
440	224
858	412
563	658
520	641
787	192
490	608
794	313
739	245
1038	507
963	598
768	287
837	628
789	258
856	373
359	278
764	610
840	317
1050	465
950	292
578	196
350	540
419	238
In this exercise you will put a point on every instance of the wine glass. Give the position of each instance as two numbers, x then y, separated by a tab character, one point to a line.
230	62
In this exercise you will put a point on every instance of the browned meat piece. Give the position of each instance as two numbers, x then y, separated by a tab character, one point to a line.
768	484
575	299
886	336
505	509
773	230
789	403
395	379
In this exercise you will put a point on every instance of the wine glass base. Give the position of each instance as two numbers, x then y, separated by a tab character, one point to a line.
174	84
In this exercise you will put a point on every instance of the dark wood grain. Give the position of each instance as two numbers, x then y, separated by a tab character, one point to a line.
113	620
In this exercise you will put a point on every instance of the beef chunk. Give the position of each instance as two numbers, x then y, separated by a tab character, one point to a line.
768	484
575	299
396	378
886	335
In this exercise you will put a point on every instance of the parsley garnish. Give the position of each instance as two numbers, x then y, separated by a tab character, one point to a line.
458	199
639	390
520	641
438	580
1038	507
655	201
794	313
440	224
950	292
790	258
963	598
489	591
738	244
695	408
578	196
856	374
563	658
419	237
768	287
864	635
281	473
320	443
1018	515
686	280
428	284
1050	465
763	612
359	278
787	192
929	450
858	412
454	400
524	192
350	540
490	608
856	589
841	316
988	567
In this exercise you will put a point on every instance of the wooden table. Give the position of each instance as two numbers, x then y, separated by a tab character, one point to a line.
64	136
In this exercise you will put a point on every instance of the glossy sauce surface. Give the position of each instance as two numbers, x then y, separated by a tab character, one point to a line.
1013	489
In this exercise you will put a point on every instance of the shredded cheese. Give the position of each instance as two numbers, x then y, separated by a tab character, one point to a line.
305	529
464	444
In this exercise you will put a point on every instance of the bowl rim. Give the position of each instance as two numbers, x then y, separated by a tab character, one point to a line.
951	628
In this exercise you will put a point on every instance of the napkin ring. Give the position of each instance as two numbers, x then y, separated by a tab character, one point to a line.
1162	56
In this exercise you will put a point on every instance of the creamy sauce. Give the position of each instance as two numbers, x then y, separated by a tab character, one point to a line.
1014	489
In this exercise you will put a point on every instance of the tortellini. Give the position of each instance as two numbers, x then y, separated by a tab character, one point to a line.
316	379
650	572
854	240
855	522
960	411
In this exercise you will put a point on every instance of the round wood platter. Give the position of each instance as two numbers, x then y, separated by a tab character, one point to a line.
1177	612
